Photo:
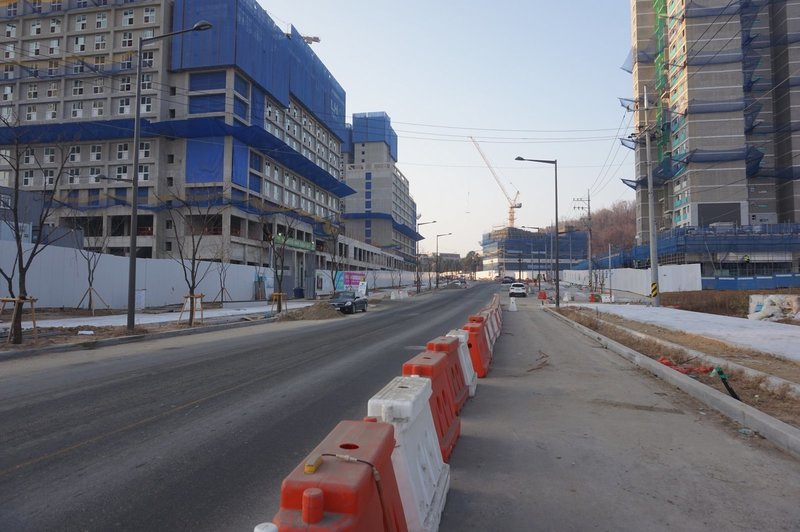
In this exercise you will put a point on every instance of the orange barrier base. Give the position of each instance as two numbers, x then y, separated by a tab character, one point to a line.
478	348
328	493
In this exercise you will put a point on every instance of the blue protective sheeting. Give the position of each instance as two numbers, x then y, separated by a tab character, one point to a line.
241	157
245	37
258	139
752	283
375	127
205	160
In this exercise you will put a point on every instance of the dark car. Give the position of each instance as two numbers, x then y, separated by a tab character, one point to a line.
348	302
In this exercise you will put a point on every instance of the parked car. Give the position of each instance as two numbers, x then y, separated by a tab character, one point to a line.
348	302
517	290
507	280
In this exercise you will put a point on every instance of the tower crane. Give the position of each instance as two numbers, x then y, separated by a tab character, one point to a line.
512	203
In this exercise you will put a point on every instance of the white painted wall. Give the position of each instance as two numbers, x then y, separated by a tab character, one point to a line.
672	278
58	278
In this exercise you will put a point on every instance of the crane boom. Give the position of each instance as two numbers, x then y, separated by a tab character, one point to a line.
512	203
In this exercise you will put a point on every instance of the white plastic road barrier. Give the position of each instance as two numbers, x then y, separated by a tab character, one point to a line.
265	527
470	377
512	305
491	329
398	294
422	477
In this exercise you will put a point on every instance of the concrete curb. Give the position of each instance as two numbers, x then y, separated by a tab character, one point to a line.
120	340
779	433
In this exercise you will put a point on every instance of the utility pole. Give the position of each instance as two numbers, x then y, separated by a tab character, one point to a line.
651	207
588	208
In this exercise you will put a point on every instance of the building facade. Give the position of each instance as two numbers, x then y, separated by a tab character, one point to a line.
382	211
242	127
714	88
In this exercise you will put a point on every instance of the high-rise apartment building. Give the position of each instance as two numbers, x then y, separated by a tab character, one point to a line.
243	120
382	211
714	86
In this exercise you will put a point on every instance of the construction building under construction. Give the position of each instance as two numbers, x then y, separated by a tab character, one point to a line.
520	253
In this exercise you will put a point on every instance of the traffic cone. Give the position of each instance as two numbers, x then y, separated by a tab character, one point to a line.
512	305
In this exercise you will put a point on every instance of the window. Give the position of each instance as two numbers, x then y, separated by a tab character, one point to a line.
30	113
147	81
97	86
34	48
124	107
127	39
11	30
77	110
27	178
127	17
77	87
7	112
148	34
74	175
168	245
49	154
125	84
101	21
170	158
8	93
122	172
78	66
170	181
52	67
98	108
8	51
52	89
36	6
144	172
79	44
96	152
80	22
144	150
147	104
147	59
52	112
99	42
36	27
54	48
75	154
99	63
122	151
126	63
94	174
8	71
55	25
149	15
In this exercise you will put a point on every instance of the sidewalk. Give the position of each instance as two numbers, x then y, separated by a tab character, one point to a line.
565	435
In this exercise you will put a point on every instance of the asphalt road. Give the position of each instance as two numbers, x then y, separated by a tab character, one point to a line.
195	433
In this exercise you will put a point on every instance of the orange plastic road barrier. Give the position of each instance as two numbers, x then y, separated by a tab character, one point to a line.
434	366
479	351
487	328
455	373
346	483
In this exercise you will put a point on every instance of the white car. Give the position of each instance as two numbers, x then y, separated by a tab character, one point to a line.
517	290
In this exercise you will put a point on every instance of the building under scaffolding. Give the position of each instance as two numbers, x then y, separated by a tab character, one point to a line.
721	89
522	254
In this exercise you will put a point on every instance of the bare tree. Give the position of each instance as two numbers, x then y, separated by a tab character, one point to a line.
28	166
91	250
286	223
334	248
195	215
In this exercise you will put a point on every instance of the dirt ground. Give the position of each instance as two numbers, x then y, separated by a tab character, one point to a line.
777	402
722	302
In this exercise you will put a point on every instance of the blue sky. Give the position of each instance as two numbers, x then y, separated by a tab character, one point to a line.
530	78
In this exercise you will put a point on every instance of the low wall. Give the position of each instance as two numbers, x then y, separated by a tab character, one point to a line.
672	278
58	278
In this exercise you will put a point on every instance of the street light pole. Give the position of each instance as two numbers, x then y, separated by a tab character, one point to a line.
437	256
199	26
554	162
416	255
538	258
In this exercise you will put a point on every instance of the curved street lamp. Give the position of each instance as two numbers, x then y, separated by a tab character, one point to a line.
198	26
554	162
